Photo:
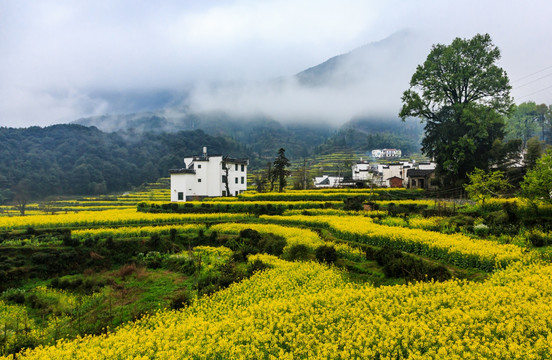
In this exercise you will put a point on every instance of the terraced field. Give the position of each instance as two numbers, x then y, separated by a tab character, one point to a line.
275	276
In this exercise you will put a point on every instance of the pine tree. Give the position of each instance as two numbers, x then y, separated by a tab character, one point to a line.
279	171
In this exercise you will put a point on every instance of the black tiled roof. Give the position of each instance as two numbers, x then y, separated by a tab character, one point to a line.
182	171
418	172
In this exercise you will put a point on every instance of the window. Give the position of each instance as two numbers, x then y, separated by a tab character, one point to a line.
243	167
236	167
199	166
223	192
224	179
180	196
236	193
198	180
236	180
242	180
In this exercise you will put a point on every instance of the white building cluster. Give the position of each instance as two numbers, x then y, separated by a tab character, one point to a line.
206	176
393	174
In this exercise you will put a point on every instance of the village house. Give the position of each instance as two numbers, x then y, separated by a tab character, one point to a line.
421	179
327	181
362	170
208	176
386	153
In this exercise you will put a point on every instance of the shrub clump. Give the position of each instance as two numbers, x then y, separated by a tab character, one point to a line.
399	265
326	254
298	252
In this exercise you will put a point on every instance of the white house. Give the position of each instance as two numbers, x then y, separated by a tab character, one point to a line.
361	170
427	166
206	176
327	181
386	153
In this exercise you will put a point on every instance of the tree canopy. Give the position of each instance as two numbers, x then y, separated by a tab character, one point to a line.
280	164
462	95
537	184
484	186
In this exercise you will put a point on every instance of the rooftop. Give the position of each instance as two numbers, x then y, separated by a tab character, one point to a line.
418	172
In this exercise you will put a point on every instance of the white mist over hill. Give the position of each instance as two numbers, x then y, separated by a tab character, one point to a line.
367	81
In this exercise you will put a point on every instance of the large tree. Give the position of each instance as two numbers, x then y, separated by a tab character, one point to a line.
462	95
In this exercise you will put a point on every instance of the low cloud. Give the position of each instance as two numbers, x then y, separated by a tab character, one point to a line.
62	60
368	81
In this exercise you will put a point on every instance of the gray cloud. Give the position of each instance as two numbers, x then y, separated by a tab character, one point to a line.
60	58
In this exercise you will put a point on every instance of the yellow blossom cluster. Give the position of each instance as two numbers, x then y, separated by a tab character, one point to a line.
109	218
457	249
430	223
307	310
372	213
134	231
293	236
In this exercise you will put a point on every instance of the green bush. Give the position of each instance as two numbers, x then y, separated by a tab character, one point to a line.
354	203
498	218
272	244
16	296
538	239
255	266
252	235
180	300
298	252
481	230
326	254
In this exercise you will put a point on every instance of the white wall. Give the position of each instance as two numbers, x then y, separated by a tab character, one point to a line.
360	171
178	184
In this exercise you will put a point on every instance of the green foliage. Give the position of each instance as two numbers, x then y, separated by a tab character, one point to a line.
279	171
484	186
533	153
180	300
326	254
481	230
399	265
354	203
537	184
256	266
461	95
539	239
522	123
298	252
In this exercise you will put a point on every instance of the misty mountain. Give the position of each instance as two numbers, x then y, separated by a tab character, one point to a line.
368	63
349	92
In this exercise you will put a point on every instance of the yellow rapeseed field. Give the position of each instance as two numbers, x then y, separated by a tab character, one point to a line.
306	310
456	249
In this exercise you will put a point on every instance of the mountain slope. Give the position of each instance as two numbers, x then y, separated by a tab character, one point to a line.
73	159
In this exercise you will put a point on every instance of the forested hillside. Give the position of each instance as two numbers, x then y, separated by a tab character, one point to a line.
73	159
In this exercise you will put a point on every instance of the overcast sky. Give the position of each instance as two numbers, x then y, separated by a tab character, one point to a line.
58	59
